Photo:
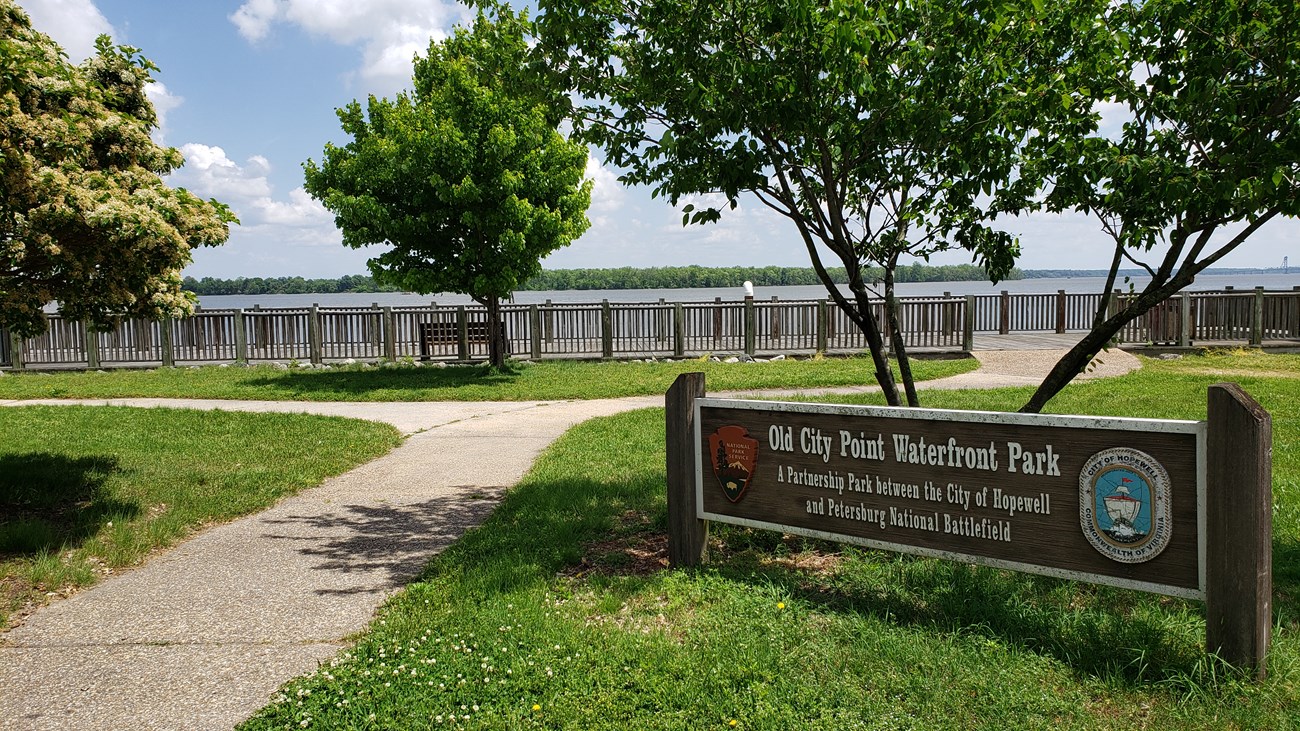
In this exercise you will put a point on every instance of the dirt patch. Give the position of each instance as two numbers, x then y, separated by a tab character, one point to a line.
808	562
633	551
631	556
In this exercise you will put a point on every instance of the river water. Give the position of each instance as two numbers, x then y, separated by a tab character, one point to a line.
1073	285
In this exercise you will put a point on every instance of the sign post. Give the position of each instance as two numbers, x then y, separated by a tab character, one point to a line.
687	534
1123	502
1239	611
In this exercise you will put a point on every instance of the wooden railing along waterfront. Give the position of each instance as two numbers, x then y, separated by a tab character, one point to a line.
618	330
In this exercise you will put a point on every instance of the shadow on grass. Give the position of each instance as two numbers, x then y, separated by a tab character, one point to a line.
383	547
547	529
51	501
1286	581
350	382
1096	631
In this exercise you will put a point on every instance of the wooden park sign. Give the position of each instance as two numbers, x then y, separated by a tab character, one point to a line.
1173	507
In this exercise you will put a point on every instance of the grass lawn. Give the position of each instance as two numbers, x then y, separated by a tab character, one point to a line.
87	491
526	381
559	613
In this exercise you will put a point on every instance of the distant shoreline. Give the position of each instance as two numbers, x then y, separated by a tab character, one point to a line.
1272	281
1081	273
657	278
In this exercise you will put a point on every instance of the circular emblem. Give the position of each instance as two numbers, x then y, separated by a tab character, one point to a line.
1124	506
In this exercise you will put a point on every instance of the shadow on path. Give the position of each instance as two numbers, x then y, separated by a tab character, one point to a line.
390	542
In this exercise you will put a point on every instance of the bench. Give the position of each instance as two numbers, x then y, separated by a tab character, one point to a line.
434	335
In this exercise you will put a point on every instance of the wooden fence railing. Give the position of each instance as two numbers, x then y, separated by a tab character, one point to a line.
611	330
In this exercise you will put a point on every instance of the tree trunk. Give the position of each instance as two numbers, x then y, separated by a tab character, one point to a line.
1107	291
859	311
896	338
876	344
1073	362
884	375
495	333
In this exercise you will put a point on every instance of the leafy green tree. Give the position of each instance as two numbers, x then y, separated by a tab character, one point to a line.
1208	154
85	217
466	180
880	130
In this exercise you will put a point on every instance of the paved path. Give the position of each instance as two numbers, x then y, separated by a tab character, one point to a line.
201	636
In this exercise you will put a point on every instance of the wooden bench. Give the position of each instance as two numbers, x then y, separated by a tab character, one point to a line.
434	335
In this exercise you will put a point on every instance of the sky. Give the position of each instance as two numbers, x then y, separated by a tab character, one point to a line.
247	91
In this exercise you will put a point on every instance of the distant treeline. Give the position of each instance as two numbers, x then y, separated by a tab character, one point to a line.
284	285
1075	273
622	278
697	276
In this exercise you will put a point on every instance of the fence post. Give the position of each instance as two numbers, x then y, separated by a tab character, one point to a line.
313	334
241	337
91	340
1239	531
717	322
968	325
165	342
823	326
1184	320
751	325
679	330
390	334
1004	313
1060	311
774	324
16	351
661	319
1257	318
535	332
548	321
687	534
1293	313
606	330
462	334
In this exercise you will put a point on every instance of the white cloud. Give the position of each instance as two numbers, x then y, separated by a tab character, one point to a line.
301	210
163	102
388	32
254	18
73	24
210	173
277	236
607	194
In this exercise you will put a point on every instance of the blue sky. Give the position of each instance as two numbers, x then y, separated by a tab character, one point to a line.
247	91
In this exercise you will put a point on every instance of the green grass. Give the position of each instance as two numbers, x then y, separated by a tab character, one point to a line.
558	613
524	381
86	491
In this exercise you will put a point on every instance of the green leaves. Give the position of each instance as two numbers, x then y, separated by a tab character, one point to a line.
85	218
466	179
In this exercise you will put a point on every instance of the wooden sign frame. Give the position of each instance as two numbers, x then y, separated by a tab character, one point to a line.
1181	508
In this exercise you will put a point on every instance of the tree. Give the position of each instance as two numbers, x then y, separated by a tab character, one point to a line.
878	130
1209	151
85	217
466	178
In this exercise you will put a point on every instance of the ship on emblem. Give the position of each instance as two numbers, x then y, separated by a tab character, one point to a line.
1124	520
735	455
1125	509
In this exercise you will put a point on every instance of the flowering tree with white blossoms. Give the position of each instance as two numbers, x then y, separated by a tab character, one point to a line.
85	217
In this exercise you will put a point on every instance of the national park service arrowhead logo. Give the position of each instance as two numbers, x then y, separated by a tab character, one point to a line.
1124	505
735	455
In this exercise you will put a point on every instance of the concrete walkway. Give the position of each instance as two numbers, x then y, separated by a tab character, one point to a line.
201	636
